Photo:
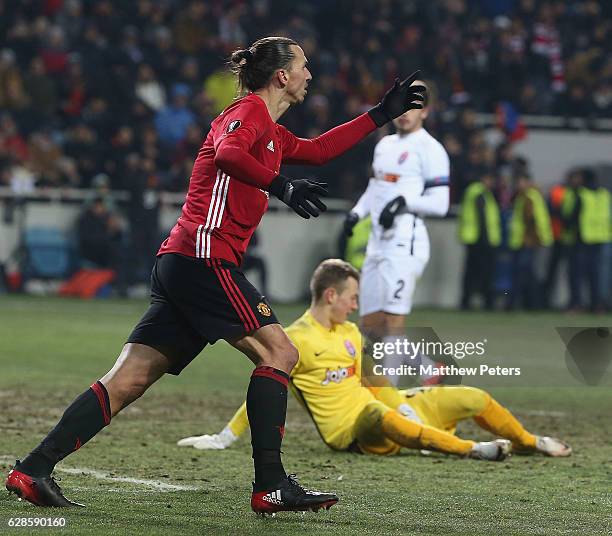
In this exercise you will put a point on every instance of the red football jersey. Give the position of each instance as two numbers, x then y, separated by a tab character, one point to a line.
241	155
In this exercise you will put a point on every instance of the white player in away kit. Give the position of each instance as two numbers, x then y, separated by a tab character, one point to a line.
411	181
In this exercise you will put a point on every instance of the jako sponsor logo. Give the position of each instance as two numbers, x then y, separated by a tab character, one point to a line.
337	375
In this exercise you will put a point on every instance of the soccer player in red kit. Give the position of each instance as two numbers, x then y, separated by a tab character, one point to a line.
198	293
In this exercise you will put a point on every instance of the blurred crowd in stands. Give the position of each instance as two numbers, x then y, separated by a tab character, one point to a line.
86	86
120	94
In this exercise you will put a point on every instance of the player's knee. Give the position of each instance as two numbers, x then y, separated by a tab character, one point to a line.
474	400
371	416
284	356
123	391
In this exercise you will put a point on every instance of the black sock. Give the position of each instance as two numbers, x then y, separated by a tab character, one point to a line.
267	409
83	419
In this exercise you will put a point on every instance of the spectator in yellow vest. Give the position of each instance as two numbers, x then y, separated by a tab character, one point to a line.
587	213
220	87
606	258
480	231
530	230
559	251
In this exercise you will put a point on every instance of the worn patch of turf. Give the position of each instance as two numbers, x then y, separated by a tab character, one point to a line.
52	349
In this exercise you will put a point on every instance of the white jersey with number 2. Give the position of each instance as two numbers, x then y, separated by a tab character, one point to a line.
415	166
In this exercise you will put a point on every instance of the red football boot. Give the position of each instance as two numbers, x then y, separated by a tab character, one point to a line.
41	491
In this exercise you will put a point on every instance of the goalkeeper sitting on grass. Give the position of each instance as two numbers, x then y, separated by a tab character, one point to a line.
378	420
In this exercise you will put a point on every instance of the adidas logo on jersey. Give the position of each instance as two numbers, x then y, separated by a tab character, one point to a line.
273	497
270	146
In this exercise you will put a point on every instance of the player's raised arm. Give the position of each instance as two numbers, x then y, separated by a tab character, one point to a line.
242	129
400	98
302	195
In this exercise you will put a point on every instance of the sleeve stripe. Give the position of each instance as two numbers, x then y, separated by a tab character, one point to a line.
437	181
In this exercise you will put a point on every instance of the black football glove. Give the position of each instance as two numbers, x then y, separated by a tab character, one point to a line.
390	211
349	222
302	195
398	100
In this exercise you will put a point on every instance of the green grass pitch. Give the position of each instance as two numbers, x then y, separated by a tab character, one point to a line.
51	349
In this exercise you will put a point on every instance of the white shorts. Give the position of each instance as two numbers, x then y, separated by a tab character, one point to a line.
388	283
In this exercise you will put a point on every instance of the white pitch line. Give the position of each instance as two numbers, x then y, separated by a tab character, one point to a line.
103	475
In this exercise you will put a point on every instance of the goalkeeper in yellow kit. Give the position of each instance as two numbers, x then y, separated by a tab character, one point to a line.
378	420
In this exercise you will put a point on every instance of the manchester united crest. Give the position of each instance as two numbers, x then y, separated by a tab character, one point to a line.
264	309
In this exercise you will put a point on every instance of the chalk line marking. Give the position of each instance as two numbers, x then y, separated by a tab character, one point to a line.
103	475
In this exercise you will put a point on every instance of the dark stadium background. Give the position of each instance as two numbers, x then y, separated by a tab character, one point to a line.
100	96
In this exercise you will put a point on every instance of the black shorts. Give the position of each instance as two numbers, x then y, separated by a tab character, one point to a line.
195	302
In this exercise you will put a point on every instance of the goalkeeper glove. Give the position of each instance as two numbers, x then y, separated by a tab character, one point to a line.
390	211
398	100
302	195
349	222
219	441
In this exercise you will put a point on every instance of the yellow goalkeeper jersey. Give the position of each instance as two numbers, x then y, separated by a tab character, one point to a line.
327	377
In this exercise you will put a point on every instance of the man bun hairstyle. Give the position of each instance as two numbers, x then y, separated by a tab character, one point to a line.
239	55
331	273
255	66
